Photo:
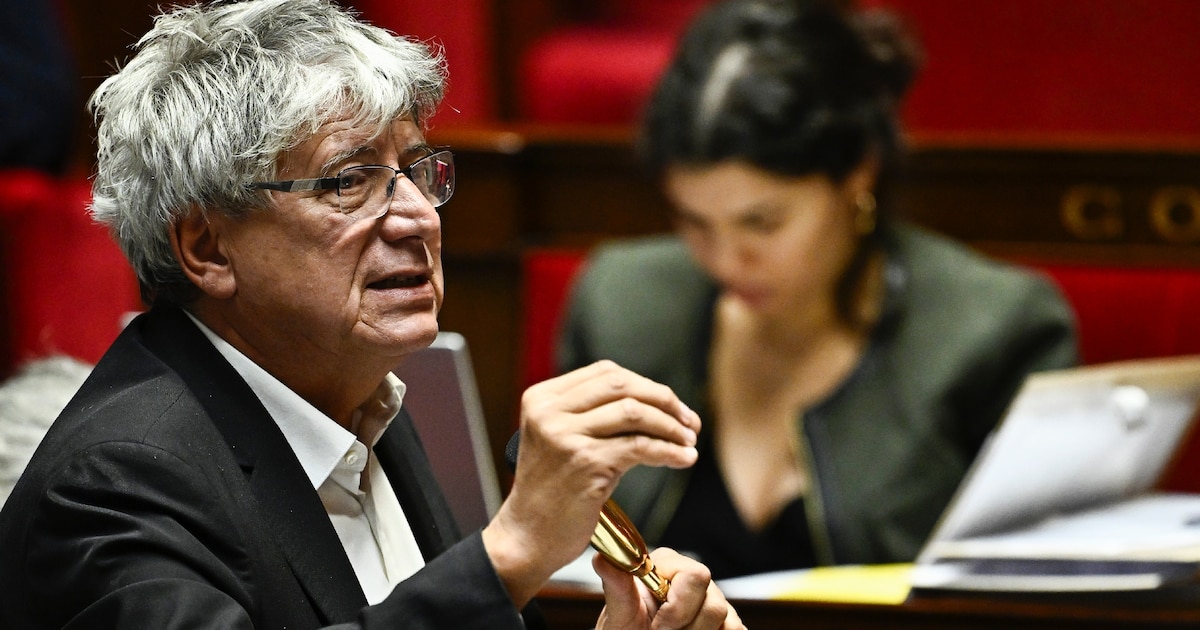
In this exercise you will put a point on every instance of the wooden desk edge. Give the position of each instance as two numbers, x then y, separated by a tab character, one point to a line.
566	606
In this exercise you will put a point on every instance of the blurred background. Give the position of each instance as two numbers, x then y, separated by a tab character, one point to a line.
1063	134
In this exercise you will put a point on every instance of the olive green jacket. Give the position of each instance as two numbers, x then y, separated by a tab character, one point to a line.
887	449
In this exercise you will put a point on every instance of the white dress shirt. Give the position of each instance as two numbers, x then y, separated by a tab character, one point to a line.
344	470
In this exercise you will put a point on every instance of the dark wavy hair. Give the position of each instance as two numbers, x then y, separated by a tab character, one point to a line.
795	87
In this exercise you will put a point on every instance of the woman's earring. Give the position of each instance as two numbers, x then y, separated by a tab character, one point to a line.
864	219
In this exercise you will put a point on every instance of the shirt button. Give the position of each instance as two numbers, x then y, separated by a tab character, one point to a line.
351	459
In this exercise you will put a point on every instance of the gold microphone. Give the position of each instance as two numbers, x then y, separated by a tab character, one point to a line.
615	538
622	545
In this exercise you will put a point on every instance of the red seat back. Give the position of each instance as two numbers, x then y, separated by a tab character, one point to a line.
1132	313
64	283
466	31
547	276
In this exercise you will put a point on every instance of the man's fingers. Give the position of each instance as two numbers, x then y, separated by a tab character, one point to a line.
694	601
631	416
603	383
625	605
687	600
562	383
733	621
612	402
626	451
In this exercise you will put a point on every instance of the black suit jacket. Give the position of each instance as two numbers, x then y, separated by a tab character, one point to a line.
165	496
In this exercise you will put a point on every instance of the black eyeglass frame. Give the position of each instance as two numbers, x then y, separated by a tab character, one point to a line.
335	183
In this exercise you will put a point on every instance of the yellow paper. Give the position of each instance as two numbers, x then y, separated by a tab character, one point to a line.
863	584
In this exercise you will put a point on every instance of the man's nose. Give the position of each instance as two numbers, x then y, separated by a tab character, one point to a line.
409	211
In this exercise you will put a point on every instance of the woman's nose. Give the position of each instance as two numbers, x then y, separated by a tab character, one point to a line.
727	258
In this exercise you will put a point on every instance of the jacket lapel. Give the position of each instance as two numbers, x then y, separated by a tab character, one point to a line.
290	507
407	468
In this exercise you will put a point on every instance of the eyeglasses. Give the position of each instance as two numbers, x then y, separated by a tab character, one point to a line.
365	192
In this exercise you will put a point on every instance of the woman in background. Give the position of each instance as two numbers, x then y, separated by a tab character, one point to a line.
848	366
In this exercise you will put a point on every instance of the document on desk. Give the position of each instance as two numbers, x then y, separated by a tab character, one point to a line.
1062	496
858	584
861	584
1153	527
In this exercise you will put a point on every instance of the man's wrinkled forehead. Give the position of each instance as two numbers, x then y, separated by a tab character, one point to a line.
340	141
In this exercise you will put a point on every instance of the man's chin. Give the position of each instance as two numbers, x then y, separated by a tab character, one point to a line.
410	339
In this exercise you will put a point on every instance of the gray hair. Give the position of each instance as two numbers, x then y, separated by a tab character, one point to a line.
29	402
217	94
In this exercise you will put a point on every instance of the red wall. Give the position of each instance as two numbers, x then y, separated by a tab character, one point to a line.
1057	67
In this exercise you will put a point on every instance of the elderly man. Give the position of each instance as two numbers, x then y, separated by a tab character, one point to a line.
240	457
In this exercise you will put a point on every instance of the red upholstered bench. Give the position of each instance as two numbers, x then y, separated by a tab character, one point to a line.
1104	67
592	75
1122	313
601	69
64	283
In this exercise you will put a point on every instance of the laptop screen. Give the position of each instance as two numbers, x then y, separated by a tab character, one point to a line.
1073	439
443	400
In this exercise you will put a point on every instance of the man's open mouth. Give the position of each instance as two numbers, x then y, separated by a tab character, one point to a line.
398	282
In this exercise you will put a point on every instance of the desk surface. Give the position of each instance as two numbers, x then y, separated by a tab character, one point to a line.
566	608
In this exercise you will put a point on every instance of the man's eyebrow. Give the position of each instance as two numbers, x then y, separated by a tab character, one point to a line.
342	156
420	147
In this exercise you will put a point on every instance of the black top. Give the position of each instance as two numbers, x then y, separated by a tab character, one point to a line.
708	527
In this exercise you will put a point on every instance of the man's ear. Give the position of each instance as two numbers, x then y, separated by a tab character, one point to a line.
196	241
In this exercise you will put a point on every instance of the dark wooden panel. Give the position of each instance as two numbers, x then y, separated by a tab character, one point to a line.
1105	199
484	217
482	305
575	187
102	35
589	192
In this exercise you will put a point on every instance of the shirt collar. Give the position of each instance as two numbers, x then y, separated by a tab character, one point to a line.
318	442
